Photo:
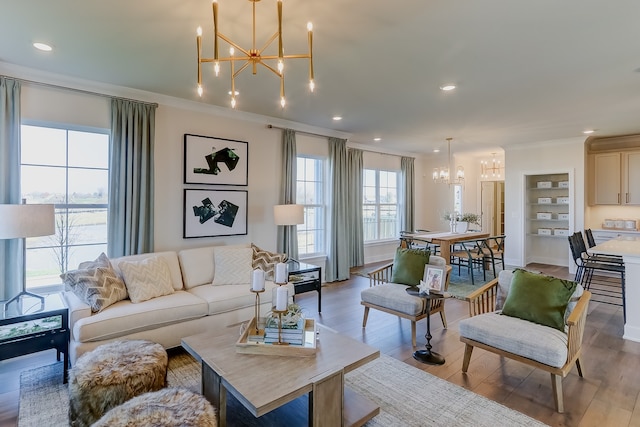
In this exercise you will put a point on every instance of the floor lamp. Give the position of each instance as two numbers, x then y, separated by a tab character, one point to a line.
288	215
20	222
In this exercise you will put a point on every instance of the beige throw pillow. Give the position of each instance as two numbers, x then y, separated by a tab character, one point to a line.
96	283
232	266
146	279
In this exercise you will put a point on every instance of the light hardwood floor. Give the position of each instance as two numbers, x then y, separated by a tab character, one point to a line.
608	395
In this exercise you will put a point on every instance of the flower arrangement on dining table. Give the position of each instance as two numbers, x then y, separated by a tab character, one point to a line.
469	217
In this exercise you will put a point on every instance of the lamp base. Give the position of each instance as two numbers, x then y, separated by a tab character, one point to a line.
16	299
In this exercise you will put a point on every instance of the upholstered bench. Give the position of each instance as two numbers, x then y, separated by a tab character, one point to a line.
392	297
111	374
549	338
171	407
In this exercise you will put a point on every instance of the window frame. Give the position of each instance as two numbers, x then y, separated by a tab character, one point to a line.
377	205
65	208
321	187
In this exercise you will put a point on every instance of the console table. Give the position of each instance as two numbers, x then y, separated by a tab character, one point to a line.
29	325
305	277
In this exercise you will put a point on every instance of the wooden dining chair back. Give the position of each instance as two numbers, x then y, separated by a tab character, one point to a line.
470	254
494	251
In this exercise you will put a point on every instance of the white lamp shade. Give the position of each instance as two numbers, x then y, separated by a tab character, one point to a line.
18	221
288	214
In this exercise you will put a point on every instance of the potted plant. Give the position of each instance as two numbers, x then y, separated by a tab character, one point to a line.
462	221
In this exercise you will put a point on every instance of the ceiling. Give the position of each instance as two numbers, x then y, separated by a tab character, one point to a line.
525	71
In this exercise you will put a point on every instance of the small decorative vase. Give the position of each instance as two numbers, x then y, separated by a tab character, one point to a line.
462	227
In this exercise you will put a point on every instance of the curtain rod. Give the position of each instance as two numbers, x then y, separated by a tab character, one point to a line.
86	92
270	126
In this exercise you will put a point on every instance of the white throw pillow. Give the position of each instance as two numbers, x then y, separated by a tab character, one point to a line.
146	279
233	266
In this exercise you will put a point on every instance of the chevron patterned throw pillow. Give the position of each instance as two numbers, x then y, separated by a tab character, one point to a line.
96	283
147	278
232	266
266	261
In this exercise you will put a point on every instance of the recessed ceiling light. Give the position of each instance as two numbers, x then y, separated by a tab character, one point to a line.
437	150
377	138
588	131
448	87
336	118
43	47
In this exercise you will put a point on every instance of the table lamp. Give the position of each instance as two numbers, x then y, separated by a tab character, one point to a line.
288	215
20	222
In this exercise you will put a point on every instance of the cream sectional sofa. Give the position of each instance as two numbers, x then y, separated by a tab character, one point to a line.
195	306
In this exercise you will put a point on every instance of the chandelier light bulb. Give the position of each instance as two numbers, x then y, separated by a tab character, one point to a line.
312	85
216	68
200	90
282	102
233	102
280	65
231	51
199	31
309	26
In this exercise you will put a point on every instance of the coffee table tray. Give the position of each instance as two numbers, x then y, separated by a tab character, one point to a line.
308	349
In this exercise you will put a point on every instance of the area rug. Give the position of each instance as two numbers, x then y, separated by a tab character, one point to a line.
406	395
459	284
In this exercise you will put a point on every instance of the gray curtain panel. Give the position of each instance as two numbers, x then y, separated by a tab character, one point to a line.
131	181
10	250
287	235
339	230
407	180
356	232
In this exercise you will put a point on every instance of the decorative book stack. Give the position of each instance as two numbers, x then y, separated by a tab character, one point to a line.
290	334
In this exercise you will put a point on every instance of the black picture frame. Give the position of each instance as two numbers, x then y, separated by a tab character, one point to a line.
215	161
214	213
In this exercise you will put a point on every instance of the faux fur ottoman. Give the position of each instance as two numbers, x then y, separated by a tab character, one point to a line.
171	407
111	374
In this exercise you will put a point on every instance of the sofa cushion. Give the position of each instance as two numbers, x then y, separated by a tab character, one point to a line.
531	340
232	266
170	257
266	261
538	298
96	283
146	278
408	266
124	317
225	298
395	297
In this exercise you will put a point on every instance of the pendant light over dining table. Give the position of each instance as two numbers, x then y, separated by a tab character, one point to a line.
253	56
442	175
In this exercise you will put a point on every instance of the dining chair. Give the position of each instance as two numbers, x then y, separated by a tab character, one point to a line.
494	251
470	254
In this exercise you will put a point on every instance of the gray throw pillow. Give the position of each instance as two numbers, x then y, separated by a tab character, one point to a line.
96	283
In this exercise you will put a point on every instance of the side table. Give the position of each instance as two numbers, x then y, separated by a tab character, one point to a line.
29	325
426	355
305	277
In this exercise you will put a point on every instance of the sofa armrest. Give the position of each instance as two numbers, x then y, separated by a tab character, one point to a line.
576	322
380	275
77	309
483	300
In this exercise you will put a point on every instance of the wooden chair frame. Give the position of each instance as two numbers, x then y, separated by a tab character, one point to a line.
383	275
483	301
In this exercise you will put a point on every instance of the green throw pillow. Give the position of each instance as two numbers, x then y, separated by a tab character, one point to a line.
408	266
538	298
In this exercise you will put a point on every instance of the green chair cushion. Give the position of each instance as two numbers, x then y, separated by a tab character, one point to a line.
408	266
538	298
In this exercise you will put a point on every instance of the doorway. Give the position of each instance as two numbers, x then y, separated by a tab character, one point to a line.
492	206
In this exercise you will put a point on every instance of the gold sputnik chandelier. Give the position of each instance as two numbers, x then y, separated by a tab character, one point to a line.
251	57
491	168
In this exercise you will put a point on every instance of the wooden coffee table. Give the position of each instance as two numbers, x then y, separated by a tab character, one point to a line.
263	383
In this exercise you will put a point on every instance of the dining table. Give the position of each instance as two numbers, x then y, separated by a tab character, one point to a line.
445	239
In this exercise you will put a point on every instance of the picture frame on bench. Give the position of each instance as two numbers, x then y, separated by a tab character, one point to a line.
212	213
215	161
434	277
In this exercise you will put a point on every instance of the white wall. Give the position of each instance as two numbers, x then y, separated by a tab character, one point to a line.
566	155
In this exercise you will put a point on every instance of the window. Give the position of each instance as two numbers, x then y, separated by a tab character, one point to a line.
380	208
69	168
310	193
